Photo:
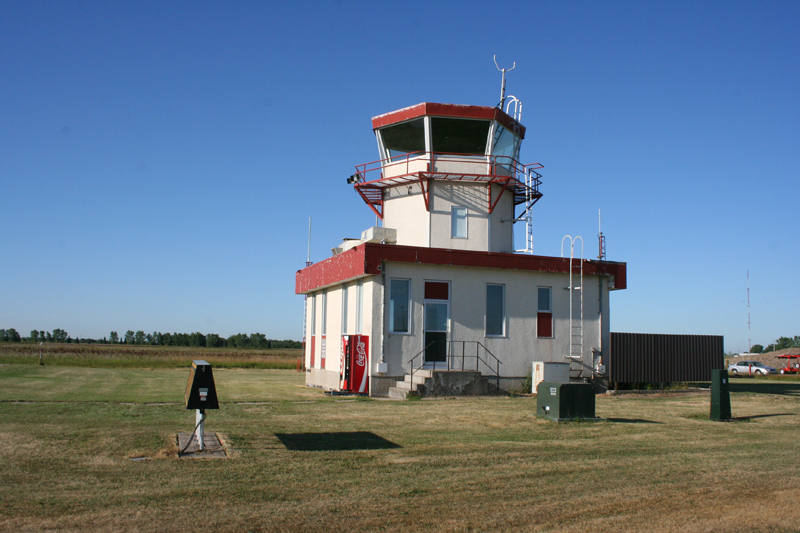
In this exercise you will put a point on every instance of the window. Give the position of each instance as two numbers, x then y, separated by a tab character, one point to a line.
313	344
324	312
544	316
495	310
505	147
400	140
399	305
459	136
344	310
313	315
359	305
458	222
505	143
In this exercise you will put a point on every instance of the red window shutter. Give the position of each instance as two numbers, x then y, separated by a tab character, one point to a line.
544	324
313	338
437	290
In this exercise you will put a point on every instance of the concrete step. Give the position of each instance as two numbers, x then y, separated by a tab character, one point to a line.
423	373
397	394
417	378
406	385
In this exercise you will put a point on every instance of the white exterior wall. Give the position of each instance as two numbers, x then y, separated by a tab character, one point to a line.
520	346
502	233
327	377
404	210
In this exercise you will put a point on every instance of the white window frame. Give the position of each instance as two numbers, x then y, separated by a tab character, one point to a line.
538	307
454	218
502	311
391	307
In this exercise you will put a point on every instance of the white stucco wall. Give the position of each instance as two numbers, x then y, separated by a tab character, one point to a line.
502	233
327	376
404	210
520	346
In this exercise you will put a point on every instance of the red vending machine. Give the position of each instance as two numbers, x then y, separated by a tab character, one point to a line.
353	364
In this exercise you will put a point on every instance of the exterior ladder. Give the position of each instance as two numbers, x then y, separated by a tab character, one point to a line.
575	356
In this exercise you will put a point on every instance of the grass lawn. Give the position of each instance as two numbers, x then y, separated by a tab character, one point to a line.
304	461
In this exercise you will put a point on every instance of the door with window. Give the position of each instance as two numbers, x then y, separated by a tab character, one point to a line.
437	322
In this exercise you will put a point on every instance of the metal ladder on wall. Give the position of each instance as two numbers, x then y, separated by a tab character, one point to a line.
575	356
531	178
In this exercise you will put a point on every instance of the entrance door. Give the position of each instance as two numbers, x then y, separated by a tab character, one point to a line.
436	321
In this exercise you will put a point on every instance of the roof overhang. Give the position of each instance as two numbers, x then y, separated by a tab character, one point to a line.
449	110
365	260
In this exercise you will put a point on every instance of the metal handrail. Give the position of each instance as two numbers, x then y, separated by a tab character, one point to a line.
451	358
517	169
411	362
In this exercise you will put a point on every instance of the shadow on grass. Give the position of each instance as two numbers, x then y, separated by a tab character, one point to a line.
758	386
354	440
746	418
632	421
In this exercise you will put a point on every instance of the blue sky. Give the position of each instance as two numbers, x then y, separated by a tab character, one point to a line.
159	160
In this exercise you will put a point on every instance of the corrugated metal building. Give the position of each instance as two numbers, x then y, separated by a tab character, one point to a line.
656	358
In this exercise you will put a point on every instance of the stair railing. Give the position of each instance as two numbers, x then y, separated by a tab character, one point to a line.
489	360
422	362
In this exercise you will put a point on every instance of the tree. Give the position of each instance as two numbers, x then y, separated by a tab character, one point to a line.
34	335
258	340
129	337
197	339
756	348
213	340
11	335
138	337
59	335
113	337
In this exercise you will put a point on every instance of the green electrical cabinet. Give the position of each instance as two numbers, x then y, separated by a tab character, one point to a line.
720	395
565	401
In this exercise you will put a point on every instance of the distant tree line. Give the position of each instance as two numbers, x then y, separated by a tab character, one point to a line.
211	340
780	344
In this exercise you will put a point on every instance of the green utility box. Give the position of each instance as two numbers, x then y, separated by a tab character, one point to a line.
200	391
720	395
565	401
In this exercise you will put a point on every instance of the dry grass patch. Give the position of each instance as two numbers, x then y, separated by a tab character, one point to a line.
460	465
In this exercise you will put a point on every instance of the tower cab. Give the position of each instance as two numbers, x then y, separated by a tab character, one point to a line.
449	177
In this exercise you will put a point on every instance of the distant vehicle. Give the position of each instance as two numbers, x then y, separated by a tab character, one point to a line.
791	365
751	368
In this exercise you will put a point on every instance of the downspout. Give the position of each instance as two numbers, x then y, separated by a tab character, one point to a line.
383	309
597	353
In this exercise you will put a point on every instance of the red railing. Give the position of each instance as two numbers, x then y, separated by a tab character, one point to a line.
498	166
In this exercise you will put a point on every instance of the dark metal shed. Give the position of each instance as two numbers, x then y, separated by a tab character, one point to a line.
657	358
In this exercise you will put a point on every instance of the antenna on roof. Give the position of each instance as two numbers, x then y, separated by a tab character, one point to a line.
308	257
503	88
749	340
601	238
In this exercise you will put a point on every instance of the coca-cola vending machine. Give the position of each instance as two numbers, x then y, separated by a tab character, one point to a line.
353	364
